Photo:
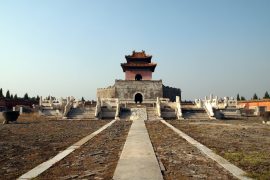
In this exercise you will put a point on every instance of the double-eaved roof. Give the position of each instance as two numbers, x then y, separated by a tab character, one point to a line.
138	60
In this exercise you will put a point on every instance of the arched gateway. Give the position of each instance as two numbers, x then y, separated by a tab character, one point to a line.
138	98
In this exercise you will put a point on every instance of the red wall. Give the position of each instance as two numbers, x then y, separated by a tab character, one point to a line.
146	75
258	103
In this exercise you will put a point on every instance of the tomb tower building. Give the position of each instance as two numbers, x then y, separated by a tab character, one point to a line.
138	66
138	85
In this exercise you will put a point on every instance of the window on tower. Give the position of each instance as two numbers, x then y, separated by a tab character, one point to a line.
138	77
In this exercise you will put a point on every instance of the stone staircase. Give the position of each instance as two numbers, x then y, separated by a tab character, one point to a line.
195	114
151	114
134	105
107	113
231	113
50	112
138	114
168	113
80	113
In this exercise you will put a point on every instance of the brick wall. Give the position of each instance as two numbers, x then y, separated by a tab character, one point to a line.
150	90
106	92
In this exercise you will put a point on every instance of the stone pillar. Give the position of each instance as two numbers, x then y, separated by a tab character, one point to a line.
178	106
211	97
50	100
117	113
225	101
61	101
21	110
177	99
158	107
216	102
198	103
40	101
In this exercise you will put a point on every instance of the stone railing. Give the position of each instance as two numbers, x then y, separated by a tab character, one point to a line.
163	103
216	102
107	107
67	107
158	107
110	103
178	108
209	109
55	103
199	103
117	112
98	107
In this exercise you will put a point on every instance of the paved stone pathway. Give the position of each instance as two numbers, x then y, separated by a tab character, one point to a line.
138	160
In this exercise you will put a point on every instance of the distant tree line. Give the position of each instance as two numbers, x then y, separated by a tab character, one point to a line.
254	97
10	96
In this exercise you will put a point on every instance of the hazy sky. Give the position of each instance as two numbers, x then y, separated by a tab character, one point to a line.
63	48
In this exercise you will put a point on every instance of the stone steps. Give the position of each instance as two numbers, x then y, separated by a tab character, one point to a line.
82	113
195	114
151	113
138	114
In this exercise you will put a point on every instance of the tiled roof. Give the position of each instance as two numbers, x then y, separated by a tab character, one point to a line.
138	64
146	66
139	54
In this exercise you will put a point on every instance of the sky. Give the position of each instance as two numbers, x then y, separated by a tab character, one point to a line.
72	47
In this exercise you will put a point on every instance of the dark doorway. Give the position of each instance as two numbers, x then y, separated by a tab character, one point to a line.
138	77
138	98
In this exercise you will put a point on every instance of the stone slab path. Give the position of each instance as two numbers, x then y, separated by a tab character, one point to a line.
138	160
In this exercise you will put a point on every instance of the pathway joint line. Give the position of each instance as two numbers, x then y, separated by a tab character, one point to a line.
236	171
36	171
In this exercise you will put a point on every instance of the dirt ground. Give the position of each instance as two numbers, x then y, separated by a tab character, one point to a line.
97	159
34	140
180	159
31	141
245	143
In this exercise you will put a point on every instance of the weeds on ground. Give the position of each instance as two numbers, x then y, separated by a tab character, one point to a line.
257	163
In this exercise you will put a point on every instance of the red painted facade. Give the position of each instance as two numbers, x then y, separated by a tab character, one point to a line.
138	64
146	75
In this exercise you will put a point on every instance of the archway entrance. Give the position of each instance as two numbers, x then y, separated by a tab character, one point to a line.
138	77
138	98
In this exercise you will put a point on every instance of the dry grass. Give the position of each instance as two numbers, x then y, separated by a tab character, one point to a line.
30	141
251	159
244	143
